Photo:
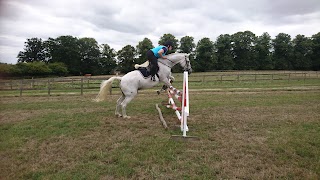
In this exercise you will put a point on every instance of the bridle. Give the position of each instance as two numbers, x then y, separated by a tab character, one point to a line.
187	65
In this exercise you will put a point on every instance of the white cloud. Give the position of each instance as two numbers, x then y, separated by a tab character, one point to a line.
122	22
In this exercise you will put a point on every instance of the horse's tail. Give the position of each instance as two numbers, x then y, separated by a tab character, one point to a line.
145	64
105	88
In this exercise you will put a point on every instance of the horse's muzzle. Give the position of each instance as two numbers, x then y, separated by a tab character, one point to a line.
189	71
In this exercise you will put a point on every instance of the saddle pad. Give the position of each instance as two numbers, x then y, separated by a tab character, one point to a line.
145	73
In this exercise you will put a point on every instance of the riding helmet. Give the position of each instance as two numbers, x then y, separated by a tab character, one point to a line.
168	43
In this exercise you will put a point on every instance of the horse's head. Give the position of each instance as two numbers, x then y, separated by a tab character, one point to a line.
186	63
175	58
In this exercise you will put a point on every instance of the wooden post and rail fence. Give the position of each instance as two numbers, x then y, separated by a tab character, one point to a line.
80	85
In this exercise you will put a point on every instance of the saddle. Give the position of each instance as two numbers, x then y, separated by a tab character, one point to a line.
144	69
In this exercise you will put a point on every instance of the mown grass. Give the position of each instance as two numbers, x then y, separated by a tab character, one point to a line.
244	135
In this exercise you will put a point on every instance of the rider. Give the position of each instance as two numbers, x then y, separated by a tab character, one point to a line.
155	53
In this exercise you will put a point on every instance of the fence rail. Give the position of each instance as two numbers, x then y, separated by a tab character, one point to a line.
81	84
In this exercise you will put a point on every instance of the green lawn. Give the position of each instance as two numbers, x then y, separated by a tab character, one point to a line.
243	134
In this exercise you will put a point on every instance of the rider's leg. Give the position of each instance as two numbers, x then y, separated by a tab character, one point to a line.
153	63
154	68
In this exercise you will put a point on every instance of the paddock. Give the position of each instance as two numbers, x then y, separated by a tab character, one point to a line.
255	131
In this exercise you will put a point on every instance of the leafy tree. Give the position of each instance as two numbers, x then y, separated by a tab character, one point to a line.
224	52
32	69
205	56
6	69
302	49
243	50
315	56
107	61
187	44
263	54
282	54
34	51
126	59
89	54
58	68
142	49
65	49
169	37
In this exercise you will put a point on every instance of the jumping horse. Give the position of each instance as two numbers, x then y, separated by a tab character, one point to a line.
133	81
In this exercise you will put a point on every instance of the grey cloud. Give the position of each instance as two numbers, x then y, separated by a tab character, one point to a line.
122	22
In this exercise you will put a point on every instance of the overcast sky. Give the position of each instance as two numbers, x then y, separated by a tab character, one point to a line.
127	22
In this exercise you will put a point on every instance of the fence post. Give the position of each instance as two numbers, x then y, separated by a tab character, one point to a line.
49	87
21	87
81	86
110	89
32	83
289	77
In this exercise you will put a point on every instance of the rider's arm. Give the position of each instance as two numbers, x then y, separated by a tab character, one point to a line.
160	52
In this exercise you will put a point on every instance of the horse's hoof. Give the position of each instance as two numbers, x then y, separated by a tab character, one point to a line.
118	115
126	117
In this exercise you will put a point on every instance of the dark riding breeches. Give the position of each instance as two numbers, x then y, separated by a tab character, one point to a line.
153	62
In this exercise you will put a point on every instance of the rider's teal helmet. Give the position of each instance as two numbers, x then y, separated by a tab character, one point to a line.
168	43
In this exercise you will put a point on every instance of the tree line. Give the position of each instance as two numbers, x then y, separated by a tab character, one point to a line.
68	55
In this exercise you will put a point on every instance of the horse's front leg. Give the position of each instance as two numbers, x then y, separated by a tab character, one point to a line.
171	78
164	87
167	83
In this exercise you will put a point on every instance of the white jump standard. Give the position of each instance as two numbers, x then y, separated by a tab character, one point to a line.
183	111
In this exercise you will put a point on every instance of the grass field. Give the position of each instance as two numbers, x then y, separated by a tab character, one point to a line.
254	132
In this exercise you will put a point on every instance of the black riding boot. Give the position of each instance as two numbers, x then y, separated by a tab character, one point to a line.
153	71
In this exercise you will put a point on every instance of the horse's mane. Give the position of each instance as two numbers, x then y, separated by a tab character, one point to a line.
172	55
176	54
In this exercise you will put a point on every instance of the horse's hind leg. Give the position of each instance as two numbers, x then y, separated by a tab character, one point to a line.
117	113
124	105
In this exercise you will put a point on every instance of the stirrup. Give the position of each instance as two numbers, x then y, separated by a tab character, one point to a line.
153	78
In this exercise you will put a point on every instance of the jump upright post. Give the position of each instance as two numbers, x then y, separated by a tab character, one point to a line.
185	104
183	97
